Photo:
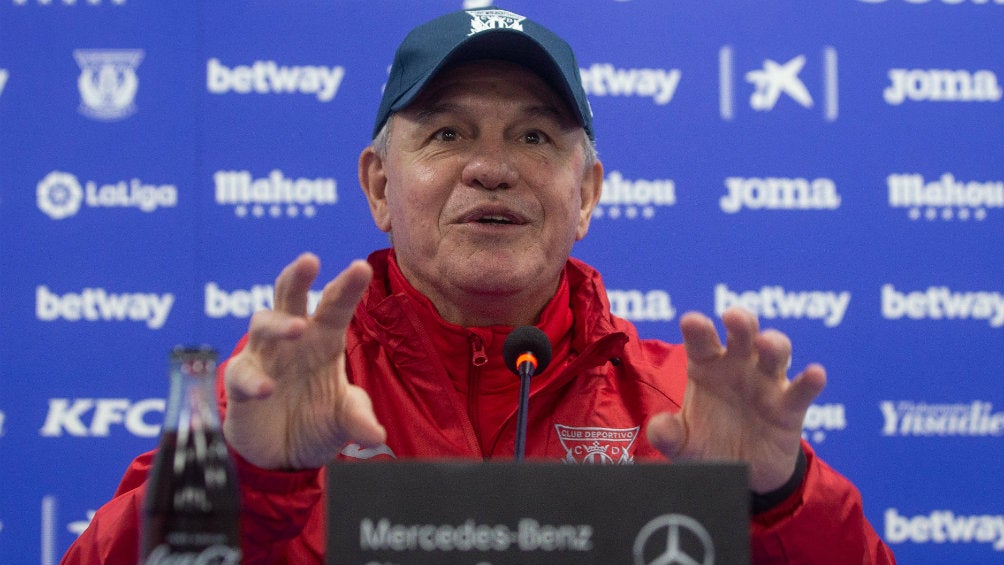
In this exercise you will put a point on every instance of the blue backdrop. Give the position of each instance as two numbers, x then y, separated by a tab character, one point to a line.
833	165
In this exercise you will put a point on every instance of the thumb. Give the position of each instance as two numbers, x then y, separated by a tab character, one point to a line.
359	422
667	433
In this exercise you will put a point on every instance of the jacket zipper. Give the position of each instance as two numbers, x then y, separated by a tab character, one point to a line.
478	359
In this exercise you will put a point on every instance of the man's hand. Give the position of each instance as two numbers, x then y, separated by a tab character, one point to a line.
739	403
290	405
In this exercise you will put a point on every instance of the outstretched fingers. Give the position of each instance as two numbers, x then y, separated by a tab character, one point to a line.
292	286
668	433
700	338
805	388
245	382
341	296
773	353
359	422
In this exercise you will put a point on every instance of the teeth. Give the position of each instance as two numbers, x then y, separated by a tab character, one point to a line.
495	219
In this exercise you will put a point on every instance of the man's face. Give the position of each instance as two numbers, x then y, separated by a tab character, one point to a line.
485	186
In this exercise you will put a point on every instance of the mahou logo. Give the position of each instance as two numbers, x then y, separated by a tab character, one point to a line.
273	196
634	199
945	198
820	419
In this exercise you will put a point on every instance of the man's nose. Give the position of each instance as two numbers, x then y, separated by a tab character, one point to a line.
491	166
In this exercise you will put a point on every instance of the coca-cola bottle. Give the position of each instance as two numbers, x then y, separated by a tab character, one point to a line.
192	505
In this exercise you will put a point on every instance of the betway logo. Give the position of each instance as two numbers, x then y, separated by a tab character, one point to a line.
941	85
638	306
603	79
622	197
906	418
241	303
267	77
944	526
280	194
99	305
95	417
779	194
776	302
942	303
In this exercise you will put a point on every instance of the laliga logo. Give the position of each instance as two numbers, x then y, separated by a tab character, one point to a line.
673	539
108	82
59	195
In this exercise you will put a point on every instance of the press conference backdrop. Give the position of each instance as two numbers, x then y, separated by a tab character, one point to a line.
834	166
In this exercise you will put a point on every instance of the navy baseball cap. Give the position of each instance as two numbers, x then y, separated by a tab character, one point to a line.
485	33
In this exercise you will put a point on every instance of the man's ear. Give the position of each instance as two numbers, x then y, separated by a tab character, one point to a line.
592	188
373	181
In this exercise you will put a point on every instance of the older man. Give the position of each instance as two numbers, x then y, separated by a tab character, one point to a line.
484	174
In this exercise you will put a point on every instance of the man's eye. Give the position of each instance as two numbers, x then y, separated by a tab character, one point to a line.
534	138
446	134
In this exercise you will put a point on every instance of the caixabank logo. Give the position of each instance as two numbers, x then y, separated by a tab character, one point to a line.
61	195
778	81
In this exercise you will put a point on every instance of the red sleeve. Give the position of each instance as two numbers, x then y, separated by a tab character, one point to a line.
113	534
822	523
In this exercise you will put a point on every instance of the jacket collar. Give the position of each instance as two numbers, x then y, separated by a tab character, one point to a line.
392	317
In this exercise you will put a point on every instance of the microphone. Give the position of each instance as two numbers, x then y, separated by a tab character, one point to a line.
526	352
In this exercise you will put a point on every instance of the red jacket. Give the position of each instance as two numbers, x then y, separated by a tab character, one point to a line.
442	391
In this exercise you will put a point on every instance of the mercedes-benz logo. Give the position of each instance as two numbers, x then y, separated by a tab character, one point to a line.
673	539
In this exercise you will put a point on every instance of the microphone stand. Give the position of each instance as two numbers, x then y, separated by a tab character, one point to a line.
525	373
